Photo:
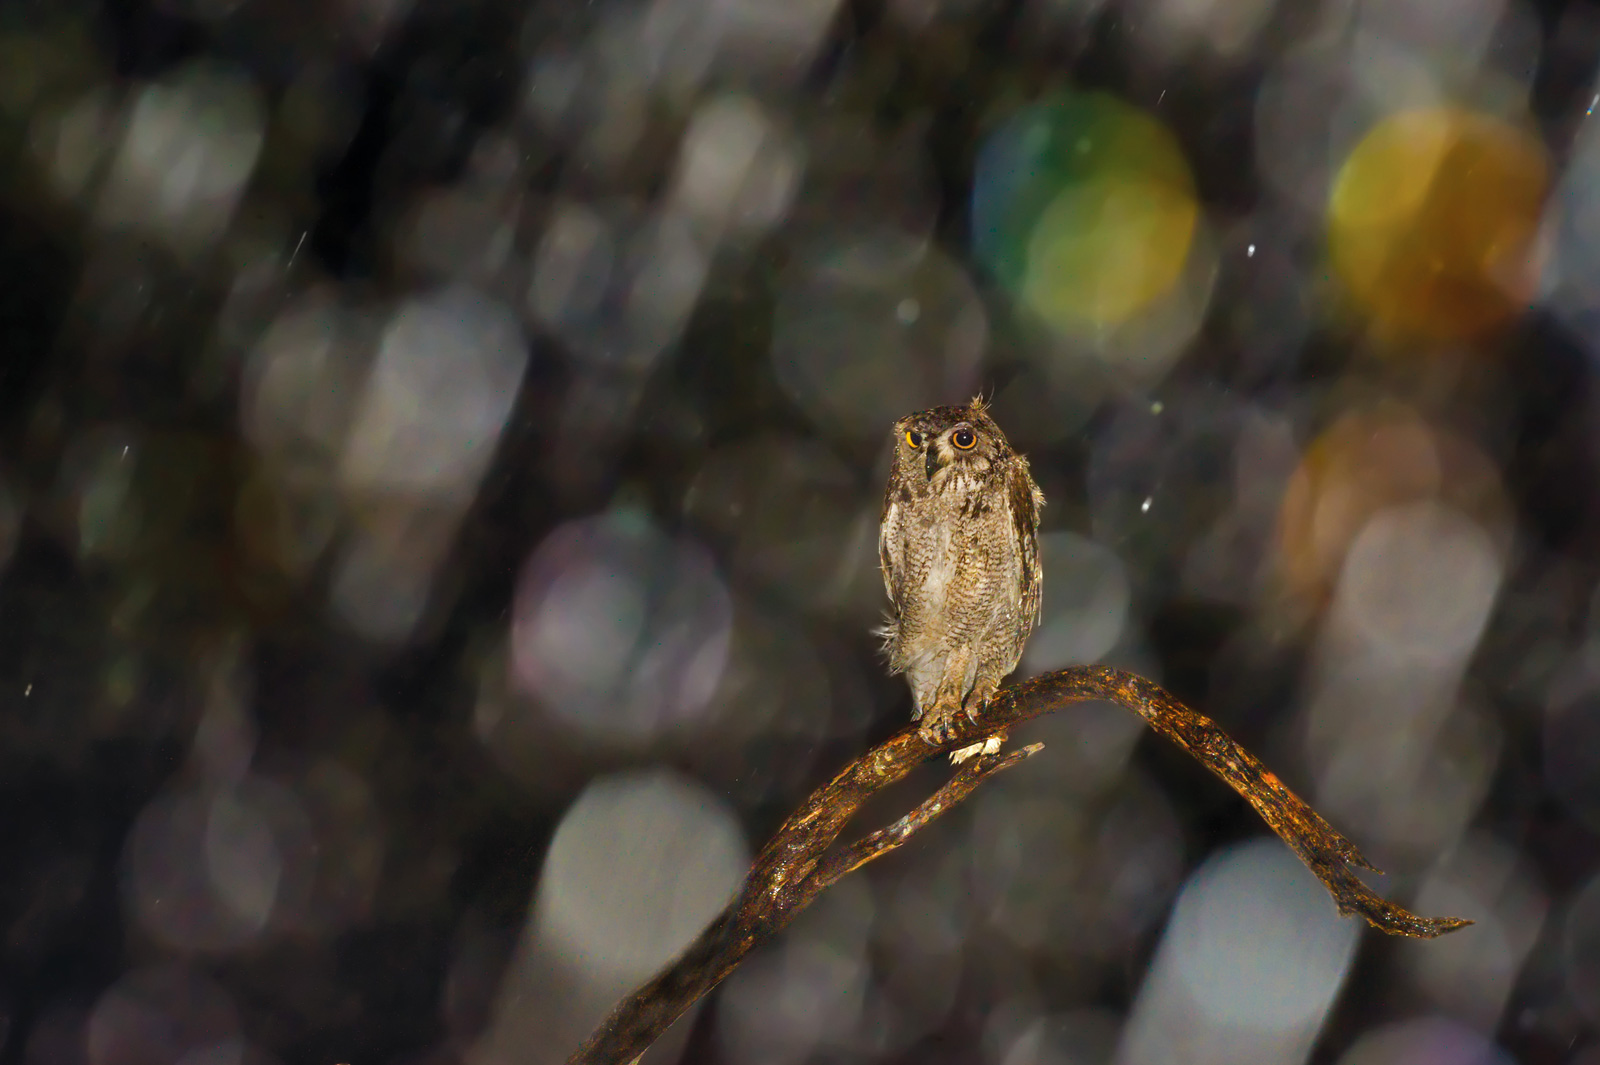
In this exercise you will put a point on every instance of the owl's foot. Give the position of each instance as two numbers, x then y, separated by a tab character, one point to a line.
976	700
935	730
939	717
938	732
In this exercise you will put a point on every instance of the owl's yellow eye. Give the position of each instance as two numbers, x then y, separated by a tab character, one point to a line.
913	438
964	438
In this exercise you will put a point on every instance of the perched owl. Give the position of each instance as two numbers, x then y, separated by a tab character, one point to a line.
959	545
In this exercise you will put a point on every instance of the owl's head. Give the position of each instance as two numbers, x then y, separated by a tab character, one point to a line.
932	447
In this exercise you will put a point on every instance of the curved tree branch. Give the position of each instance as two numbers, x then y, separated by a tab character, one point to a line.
795	866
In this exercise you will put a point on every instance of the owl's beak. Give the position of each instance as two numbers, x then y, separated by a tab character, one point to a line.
930	460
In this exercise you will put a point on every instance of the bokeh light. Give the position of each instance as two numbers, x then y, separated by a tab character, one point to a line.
1089	604
1084	207
594	903
160	1013
779	503
924	325
1433	219
616	284
440	391
1419	581
1426	1039
1370	459
638	865
1472	983
1063	878
441	460
771	1007
1247	969
736	169
620	631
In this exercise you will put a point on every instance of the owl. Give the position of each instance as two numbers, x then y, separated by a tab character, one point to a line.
959	547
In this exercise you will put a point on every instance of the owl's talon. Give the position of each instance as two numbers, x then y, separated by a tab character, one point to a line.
938	725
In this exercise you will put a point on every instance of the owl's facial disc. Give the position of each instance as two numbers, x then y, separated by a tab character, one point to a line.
946	448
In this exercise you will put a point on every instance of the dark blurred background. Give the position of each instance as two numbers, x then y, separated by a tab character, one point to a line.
441	445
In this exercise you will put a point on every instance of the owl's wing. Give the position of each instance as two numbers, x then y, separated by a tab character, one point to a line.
1023	500
889	545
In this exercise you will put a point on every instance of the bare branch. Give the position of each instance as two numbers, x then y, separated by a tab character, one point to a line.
1324	851
884	840
794	867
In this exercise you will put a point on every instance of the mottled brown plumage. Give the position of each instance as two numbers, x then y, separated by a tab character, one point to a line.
959	546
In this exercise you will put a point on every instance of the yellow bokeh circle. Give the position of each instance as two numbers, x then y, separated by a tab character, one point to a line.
1433	222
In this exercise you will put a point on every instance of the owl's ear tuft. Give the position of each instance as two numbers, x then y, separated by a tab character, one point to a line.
978	405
